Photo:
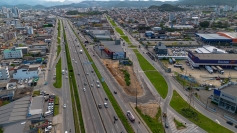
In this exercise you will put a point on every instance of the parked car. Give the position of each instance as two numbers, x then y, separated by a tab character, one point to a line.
230	123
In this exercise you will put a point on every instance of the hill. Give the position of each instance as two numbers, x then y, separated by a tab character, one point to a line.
25	6
167	7
207	2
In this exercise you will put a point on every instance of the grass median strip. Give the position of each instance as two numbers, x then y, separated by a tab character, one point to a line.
74	92
59	32
58	50
154	124
113	101
119	31
58	83
112	22
56	106
154	76
178	104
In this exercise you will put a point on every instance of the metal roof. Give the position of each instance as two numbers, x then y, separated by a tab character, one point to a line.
216	56
212	36
15	111
112	47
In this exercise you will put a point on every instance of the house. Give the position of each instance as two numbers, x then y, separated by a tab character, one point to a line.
12	53
24	71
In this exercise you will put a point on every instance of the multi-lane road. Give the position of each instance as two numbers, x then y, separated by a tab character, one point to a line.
96	120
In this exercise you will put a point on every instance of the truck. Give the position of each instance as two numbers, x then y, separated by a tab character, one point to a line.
220	70
130	116
209	69
170	61
173	59
63	72
177	65
214	68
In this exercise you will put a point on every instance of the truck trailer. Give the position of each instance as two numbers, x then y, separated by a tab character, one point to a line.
220	70
209	69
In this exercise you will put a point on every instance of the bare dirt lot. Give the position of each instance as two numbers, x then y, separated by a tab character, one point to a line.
115	69
201	75
149	109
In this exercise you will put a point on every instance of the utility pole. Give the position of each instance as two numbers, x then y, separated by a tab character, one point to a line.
136	97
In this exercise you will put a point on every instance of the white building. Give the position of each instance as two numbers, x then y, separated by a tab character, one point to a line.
24	71
29	30
4	73
171	16
12	53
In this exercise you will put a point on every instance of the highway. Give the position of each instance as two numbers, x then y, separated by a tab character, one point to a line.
114	86
95	119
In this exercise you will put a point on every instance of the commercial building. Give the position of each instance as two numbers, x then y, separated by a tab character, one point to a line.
99	34
226	98
213	38
12	53
230	35
215	59
113	49
9	36
24	71
160	49
4	73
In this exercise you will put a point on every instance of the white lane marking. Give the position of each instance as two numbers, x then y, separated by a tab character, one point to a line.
113	130
217	121
125	106
116	125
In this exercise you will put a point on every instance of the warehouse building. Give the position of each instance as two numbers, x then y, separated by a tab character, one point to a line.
113	49
215	59
213	38
226	98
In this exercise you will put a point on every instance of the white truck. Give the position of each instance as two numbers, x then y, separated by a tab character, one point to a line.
220	70
209	69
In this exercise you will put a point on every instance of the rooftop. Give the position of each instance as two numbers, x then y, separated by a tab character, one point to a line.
37	102
232	90
15	111
230	34
111	46
213	36
208	56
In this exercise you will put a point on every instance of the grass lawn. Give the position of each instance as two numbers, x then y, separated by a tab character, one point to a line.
58	50
153	75
5	102
179	125
59	30
154	124
119	31
36	93
1	130
112	22
56	106
58	83
111	98
177	103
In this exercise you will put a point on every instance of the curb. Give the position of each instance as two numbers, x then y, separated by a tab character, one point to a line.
148	129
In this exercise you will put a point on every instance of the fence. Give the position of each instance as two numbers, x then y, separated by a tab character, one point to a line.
162	65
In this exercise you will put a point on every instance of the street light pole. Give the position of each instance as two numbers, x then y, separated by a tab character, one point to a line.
136	97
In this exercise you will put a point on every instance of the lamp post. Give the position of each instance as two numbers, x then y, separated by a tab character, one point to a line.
136	97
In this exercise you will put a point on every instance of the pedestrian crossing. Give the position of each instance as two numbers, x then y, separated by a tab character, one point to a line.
190	127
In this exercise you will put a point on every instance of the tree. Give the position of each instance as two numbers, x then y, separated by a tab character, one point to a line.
204	24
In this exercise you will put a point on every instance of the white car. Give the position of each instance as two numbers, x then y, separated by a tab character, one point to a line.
97	81
98	86
64	105
66	77
84	89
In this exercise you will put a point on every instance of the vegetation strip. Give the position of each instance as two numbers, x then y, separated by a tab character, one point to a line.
59	31
126	77
119	31
56	105
58	50
58	83
154	124
182	107
36	93
155	77
179	125
74	90
113	101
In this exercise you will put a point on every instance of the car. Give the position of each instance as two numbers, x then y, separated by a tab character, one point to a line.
84	89
66	77
85	83
106	98
92	71
106	105
76	62
92	85
115	118
64	105
115	92
99	106
166	125
97	81
51	104
87	73
78	74
98	86
229	122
